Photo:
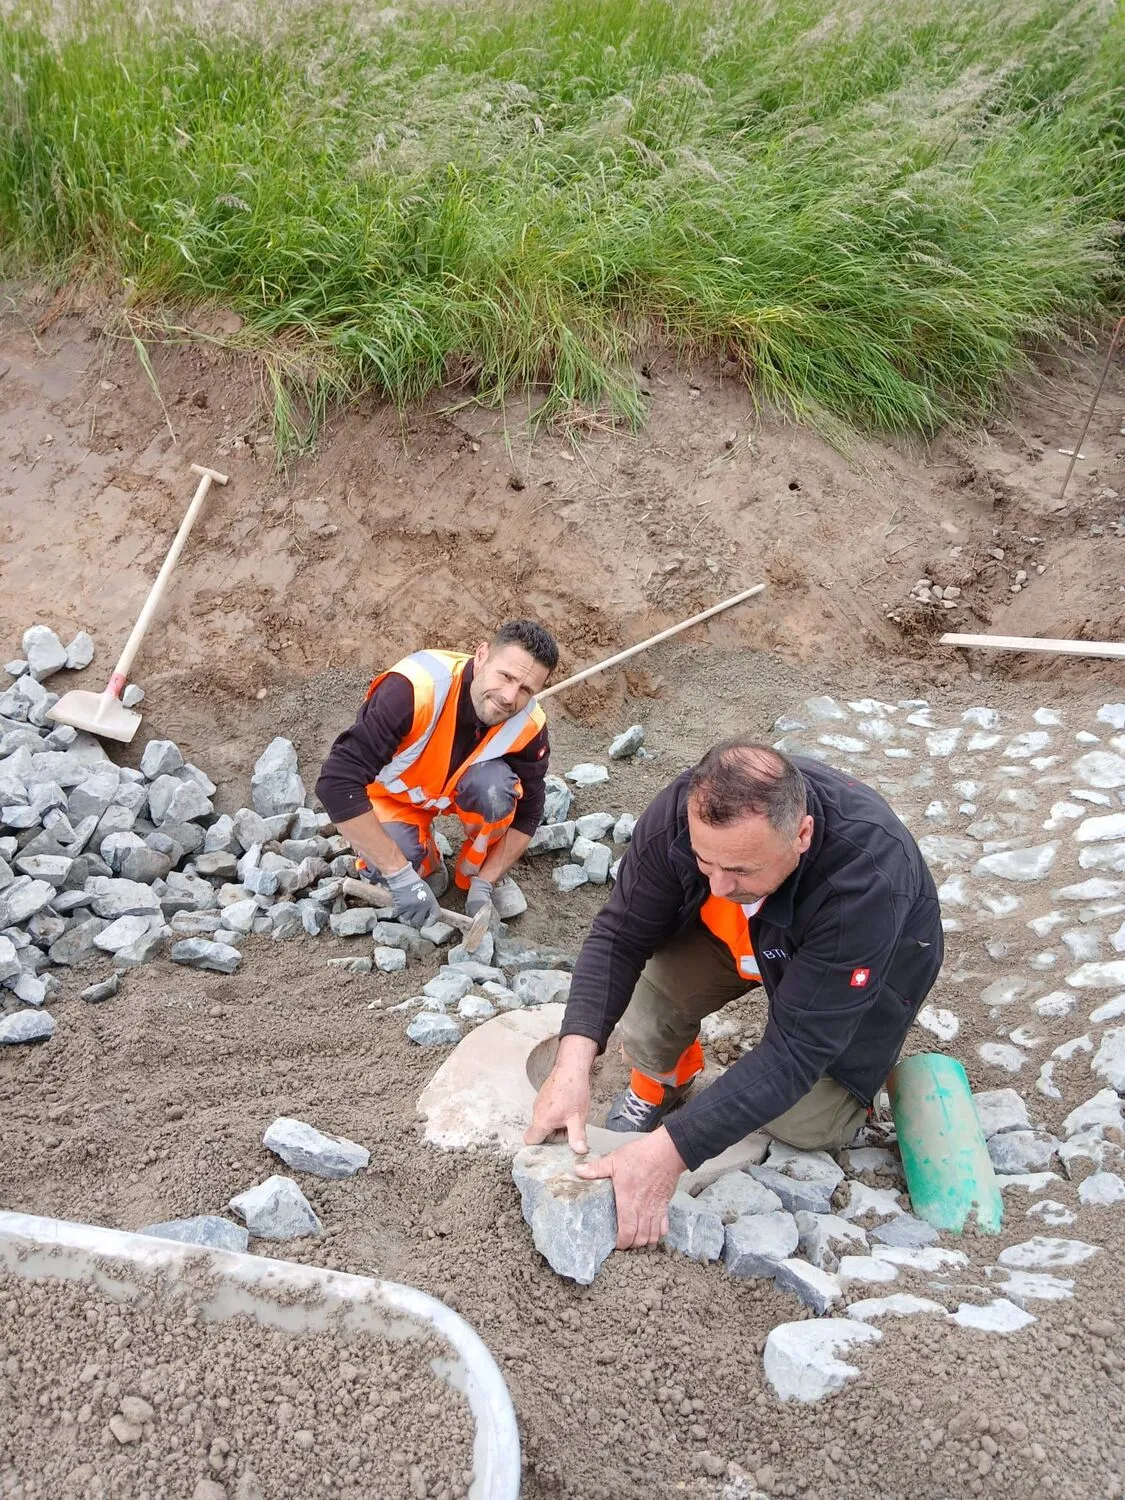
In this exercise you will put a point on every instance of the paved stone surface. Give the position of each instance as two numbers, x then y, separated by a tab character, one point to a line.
207	1229
824	1238
573	1223
736	1194
1044	1252
276	1210
1102	1190
998	1316
801	1359
897	1305
811	1196
692	1230
865	1270
817	1289
756	1244
306	1149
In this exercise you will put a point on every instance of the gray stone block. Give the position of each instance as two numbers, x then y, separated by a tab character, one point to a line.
905	1230
812	1197
160	758
573	1223
627	744
306	1149
756	1244
735	1194
77	943
199	953
210	1230
44	652
824	1238
275	787
815	1288
541	986
26	1026
692	1230
429	1029
276	1210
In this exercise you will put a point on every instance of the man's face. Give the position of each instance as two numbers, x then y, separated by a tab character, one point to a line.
746	861
505	679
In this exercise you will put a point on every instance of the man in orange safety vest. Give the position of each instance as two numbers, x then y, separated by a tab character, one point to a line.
441	732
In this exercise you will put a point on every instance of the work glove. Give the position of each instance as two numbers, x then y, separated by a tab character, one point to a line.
480	895
415	903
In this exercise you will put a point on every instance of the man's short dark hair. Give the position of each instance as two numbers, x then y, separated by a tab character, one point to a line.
741	778
539	643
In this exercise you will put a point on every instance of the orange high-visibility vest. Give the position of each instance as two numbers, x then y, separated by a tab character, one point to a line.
420	772
731	926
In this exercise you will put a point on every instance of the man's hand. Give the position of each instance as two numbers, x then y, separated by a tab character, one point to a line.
415	903
564	1100
644	1175
480	895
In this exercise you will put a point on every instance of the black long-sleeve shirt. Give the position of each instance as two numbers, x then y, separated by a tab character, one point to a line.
848	948
383	722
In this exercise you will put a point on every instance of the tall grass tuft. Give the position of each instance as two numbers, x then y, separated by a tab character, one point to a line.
874	208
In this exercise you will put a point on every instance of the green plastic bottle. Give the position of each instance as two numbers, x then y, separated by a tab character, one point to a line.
948	1169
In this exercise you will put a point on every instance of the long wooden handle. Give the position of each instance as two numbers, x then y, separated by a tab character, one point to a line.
1034	643
663	635
125	660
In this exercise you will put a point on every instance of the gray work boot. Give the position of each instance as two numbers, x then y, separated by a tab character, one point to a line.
630	1112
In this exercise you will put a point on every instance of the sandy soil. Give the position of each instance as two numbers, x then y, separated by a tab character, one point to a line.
648	1383
96	1404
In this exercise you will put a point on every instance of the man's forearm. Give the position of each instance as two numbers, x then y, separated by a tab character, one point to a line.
504	855
373	844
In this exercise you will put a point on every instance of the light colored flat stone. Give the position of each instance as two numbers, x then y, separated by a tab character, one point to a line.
929	1258
1000	1109
881	1203
1108	1062
750	1151
1031	1286
998	1316
800	1359
1104	1111
865	1270
1102	1190
897	1305
1044	1252
1029	1182
481	1094
825	1237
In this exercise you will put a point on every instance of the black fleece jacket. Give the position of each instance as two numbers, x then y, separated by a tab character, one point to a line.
848	948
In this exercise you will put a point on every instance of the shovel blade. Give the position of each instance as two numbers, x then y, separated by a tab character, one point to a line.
98	713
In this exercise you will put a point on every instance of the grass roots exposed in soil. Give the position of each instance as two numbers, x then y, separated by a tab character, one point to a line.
873	210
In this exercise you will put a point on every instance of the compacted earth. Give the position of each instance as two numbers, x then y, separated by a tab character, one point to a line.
151	1105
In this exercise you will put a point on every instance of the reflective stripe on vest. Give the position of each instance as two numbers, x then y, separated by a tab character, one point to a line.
731	926
436	678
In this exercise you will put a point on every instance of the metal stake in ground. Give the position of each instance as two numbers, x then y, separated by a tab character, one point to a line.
103	713
1077	449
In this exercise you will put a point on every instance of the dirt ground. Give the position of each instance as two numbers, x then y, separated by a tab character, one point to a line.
430	528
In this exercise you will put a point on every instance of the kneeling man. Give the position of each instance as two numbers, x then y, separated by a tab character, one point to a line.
751	869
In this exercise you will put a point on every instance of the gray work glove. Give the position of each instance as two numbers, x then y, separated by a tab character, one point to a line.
480	894
415	903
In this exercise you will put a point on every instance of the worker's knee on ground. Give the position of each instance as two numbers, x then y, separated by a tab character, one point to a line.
487	789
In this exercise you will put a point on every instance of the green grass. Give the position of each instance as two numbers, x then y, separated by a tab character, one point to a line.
875	208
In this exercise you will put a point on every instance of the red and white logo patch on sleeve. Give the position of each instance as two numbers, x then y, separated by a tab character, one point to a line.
859	978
